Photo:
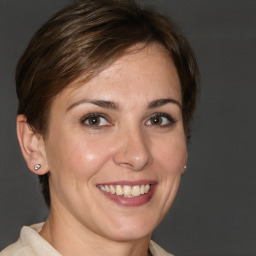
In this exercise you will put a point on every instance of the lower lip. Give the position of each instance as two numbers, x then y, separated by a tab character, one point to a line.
131	201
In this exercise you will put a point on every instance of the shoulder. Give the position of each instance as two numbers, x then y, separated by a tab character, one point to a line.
17	249
30	243
157	250
24	244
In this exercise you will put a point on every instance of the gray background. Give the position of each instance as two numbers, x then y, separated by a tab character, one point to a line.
215	210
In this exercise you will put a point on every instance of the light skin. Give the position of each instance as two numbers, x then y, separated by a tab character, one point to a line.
123	126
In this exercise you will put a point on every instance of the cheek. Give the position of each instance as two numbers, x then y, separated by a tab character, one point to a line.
82	157
171	155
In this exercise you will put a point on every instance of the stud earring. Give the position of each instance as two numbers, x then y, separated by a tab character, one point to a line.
185	167
37	166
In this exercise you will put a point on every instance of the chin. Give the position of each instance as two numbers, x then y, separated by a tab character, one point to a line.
133	228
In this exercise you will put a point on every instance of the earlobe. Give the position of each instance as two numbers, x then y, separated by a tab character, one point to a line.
184	167
32	146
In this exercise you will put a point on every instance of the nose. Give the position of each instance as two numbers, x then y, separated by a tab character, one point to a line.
133	150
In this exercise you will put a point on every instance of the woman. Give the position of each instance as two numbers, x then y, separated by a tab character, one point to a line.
106	93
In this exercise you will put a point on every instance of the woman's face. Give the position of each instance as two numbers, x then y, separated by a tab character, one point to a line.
116	147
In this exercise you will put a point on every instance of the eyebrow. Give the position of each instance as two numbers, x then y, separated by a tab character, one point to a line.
162	102
115	106
101	103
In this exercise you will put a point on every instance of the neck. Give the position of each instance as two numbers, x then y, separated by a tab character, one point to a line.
73	239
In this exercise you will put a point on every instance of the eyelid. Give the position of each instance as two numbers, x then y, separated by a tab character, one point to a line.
168	116
98	115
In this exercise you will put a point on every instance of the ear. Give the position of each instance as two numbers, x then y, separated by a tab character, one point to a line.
184	167
32	146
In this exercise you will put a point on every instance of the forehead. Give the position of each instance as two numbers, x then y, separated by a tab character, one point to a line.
142	72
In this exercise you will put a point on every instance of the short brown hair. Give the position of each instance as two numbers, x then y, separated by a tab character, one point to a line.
83	39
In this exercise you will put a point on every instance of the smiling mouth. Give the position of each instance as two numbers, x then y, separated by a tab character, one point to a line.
126	190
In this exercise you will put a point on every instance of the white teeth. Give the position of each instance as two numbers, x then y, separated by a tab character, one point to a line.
142	189
112	189
119	190
102	187
147	188
136	191
126	190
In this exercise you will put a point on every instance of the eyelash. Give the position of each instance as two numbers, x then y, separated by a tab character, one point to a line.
94	115
86	118
169	118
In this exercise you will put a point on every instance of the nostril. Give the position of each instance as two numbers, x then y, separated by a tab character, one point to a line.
134	166
126	165
132	151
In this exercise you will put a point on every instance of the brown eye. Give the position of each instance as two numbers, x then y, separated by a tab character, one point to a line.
156	120
94	120
161	120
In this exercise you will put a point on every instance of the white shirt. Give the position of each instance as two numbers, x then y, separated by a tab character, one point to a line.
31	243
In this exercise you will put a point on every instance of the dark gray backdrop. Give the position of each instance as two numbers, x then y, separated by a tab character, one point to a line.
215	210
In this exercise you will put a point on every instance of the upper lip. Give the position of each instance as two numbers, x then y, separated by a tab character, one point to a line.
129	183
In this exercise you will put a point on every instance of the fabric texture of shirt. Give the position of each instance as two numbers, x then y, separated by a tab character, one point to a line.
31	243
